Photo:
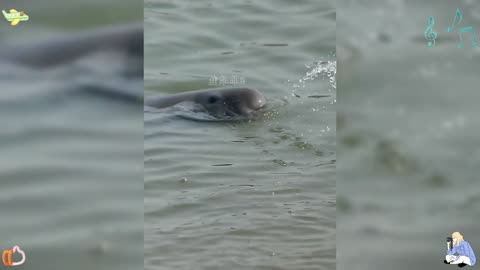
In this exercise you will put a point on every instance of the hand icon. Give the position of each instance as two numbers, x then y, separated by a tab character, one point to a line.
8	254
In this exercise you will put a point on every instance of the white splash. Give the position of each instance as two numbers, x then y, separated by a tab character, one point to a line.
325	68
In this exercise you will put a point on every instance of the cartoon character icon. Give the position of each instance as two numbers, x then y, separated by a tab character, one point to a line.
459	251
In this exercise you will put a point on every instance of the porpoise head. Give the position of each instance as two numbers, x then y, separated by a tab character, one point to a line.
232	102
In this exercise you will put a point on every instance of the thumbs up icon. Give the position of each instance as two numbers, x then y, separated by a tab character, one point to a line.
7	256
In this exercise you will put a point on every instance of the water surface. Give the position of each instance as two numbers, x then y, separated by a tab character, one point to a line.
70	163
241	195
408	134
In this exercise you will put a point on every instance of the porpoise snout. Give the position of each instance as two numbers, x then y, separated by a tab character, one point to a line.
257	100
260	102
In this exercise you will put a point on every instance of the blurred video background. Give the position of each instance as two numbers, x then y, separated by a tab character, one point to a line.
408	133
70	160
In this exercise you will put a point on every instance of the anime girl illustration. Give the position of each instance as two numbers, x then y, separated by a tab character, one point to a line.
460	253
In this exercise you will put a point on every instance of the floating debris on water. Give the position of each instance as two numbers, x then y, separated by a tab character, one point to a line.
275	44
280	162
220	165
319	96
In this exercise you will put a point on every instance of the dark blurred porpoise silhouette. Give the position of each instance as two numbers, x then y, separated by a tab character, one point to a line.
65	48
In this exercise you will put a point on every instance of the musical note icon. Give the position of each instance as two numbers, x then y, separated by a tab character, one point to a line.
459	14
464	30
461	31
429	33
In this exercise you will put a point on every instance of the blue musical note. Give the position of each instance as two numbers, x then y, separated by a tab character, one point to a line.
459	14
464	30
429	33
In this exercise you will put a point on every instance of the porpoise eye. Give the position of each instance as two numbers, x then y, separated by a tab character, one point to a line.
212	99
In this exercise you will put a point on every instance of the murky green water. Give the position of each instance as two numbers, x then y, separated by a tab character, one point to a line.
255	195
70	194
408	134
